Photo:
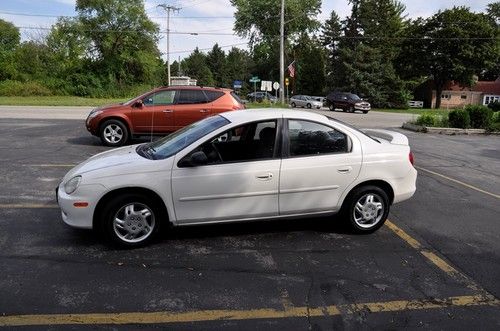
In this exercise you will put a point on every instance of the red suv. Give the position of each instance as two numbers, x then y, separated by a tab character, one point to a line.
160	111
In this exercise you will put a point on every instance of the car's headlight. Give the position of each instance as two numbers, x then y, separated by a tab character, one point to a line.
71	185
93	114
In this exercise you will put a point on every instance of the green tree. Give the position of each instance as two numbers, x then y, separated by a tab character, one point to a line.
9	41
123	40
195	66
330	37
454	44
216	60
310	63
238	64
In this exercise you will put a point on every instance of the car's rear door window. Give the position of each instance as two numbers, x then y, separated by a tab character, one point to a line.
311	138
187	97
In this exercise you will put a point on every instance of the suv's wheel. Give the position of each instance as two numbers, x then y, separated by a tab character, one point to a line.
113	133
332	107
365	111
366	209
131	220
294	105
308	106
350	109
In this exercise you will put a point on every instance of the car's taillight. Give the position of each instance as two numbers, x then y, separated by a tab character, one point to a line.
412	159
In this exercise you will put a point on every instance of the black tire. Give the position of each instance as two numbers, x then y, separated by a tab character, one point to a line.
354	217
332	107
293	105
113	133
308	106
365	111
350	109
134	222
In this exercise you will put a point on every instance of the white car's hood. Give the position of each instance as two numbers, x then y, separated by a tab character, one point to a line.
109	161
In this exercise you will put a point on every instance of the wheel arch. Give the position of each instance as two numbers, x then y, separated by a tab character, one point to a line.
128	190
373	182
122	119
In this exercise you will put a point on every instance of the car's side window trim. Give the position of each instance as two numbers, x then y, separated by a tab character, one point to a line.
286	138
278	150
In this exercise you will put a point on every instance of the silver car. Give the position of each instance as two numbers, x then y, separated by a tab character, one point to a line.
305	101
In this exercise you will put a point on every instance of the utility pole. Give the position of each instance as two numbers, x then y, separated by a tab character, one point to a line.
168	8
282	52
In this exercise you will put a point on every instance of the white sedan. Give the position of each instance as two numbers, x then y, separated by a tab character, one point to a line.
240	166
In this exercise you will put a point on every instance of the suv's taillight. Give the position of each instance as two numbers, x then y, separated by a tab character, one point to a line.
412	159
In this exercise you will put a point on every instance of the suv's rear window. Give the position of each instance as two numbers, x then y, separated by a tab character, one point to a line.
213	95
236	97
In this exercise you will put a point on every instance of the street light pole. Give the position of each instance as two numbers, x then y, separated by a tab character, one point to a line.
282	52
168	8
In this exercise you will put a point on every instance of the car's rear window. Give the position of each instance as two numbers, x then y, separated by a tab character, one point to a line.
351	127
187	96
213	95
236	97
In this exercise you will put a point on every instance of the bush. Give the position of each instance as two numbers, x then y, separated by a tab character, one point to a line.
16	88
426	120
495	106
459	118
480	116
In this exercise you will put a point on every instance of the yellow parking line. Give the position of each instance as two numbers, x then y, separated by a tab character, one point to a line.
439	262
251	314
459	182
26	206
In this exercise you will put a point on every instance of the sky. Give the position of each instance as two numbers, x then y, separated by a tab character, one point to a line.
214	16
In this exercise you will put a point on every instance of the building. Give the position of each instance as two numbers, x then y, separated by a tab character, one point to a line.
182	80
456	96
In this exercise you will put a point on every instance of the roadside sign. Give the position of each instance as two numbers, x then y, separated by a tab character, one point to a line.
254	79
287	81
266	85
276	85
237	84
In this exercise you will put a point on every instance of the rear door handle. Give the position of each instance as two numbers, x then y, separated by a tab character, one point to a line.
168	111
345	170
267	176
204	111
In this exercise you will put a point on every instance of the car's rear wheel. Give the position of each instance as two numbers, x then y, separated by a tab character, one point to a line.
365	111
350	109
332	107
294	105
366	209
131	220
113	133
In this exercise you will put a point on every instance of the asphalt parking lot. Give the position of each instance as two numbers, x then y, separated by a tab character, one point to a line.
434	265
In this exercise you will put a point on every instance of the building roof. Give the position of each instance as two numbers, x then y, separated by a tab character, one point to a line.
486	87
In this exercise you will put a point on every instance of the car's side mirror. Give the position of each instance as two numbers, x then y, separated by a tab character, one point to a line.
196	159
138	104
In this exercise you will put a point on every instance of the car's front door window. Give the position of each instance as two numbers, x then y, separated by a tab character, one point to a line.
249	142
159	98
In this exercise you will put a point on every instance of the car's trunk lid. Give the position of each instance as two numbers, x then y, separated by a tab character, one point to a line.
393	137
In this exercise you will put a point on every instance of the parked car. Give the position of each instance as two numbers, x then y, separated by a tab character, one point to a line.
305	101
348	102
238	166
261	96
159	112
321	99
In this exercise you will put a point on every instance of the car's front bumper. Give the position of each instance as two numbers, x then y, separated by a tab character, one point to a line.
79	217
363	108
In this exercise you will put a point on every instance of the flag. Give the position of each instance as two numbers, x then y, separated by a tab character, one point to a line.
291	69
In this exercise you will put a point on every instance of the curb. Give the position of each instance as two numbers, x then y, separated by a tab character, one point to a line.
447	131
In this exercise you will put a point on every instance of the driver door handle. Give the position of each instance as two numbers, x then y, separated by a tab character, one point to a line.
168	111
345	170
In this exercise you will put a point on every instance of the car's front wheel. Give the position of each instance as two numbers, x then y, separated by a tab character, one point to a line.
294	105
308	106
366	209
113	133
332	107
131	220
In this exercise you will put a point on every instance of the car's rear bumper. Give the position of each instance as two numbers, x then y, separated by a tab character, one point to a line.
405	187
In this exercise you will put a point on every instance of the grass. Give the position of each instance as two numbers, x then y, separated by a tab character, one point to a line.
57	101
416	111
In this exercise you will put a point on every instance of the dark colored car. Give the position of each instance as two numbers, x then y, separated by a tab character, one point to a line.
348	102
159	112
261	96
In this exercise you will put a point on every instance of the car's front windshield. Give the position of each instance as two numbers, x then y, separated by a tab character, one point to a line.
354	97
175	142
